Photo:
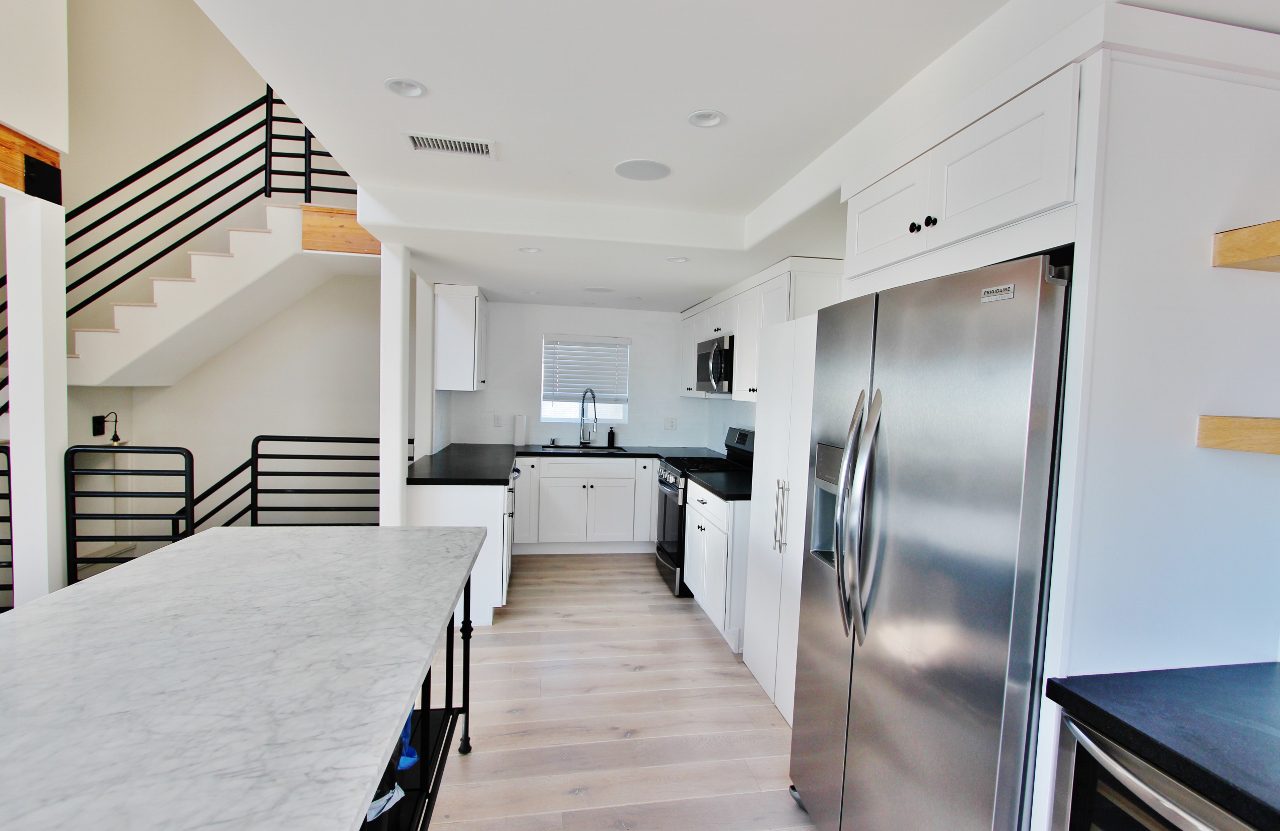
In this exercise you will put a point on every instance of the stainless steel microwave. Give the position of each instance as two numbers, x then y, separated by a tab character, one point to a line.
715	365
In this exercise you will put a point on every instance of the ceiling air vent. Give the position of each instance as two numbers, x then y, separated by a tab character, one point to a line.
442	144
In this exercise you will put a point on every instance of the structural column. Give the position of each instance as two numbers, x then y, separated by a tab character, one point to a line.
395	340
35	245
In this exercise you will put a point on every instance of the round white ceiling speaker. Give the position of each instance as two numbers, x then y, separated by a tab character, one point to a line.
405	87
706	118
530	250
677	259
642	170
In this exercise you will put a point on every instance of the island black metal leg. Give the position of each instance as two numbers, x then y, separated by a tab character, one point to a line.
464	747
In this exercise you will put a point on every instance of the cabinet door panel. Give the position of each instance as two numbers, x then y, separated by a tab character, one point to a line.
693	553
526	501
1016	162
746	344
764	562
611	505
562	510
795	504
880	216
715	574
687	371
645	521
455	341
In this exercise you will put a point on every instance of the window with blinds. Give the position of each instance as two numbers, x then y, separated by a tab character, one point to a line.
574	363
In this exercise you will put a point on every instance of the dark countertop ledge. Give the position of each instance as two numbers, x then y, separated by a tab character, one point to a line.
1215	729
490	464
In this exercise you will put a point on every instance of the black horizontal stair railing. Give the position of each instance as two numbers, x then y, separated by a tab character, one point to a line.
294	476
6	541
135	223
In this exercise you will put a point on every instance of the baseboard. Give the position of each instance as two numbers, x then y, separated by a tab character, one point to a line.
584	548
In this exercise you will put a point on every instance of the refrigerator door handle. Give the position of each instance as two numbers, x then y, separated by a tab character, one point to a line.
861	473
843	486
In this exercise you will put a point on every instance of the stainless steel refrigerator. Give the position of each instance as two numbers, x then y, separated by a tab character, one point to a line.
931	469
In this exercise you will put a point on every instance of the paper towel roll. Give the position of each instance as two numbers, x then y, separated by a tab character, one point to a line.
518	431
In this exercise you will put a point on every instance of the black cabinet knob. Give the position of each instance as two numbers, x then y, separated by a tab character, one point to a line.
593	486
584	487
913	228
930	221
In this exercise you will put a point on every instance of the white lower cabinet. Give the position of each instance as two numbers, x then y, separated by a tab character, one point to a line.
484	506
585	500
562	510
779	485
611	506
715	559
526	500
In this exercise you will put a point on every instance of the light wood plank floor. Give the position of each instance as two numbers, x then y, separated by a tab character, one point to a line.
602	703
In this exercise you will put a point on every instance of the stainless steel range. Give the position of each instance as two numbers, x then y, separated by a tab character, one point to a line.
739	445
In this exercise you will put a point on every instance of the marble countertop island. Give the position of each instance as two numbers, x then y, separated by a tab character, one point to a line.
243	678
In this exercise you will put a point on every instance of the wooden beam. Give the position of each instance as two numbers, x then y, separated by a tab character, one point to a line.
1256	247
15	149
335	230
1250	435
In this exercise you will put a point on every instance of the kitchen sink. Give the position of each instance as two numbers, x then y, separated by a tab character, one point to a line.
570	449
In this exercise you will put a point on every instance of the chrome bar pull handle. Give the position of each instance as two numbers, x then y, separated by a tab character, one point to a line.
843	486
858	496
782	518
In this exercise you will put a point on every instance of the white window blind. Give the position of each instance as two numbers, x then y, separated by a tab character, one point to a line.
572	363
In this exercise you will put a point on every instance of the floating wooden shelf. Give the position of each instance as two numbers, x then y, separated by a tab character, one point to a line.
1250	435
1256	247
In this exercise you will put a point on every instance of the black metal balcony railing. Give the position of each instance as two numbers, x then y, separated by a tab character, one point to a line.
286	481
6	529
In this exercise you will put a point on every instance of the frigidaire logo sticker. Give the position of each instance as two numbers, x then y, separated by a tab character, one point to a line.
997	293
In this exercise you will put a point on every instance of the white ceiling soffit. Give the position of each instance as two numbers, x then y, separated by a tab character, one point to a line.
569	88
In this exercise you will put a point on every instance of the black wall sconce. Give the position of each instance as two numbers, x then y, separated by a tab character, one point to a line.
99	424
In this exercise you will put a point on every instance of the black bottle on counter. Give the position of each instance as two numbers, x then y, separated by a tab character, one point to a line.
613	438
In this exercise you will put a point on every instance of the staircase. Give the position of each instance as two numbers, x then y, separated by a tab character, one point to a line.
226	296
157	280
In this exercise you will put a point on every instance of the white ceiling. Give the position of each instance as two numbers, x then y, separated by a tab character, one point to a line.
567	89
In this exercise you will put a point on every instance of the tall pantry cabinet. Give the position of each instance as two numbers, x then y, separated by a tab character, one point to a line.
779	497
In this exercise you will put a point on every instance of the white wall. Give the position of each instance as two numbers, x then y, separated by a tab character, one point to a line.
515	377
33	71
1177	549
311	370
725	413
145	76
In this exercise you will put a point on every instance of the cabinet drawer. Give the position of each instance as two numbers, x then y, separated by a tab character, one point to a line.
711	507
587	469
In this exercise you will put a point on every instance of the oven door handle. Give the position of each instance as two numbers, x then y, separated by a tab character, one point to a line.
1175	814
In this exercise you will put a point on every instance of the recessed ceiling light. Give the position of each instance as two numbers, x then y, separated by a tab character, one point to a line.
642	170
706	118
598	290
677	259
405	87
530	250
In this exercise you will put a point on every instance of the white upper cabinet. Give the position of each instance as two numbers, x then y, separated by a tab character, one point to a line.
1016	162
794	287
461	330
886	220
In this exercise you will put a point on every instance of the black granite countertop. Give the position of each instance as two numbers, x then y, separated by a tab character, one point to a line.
490	464
465	464
729	485
1215	729
630	452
